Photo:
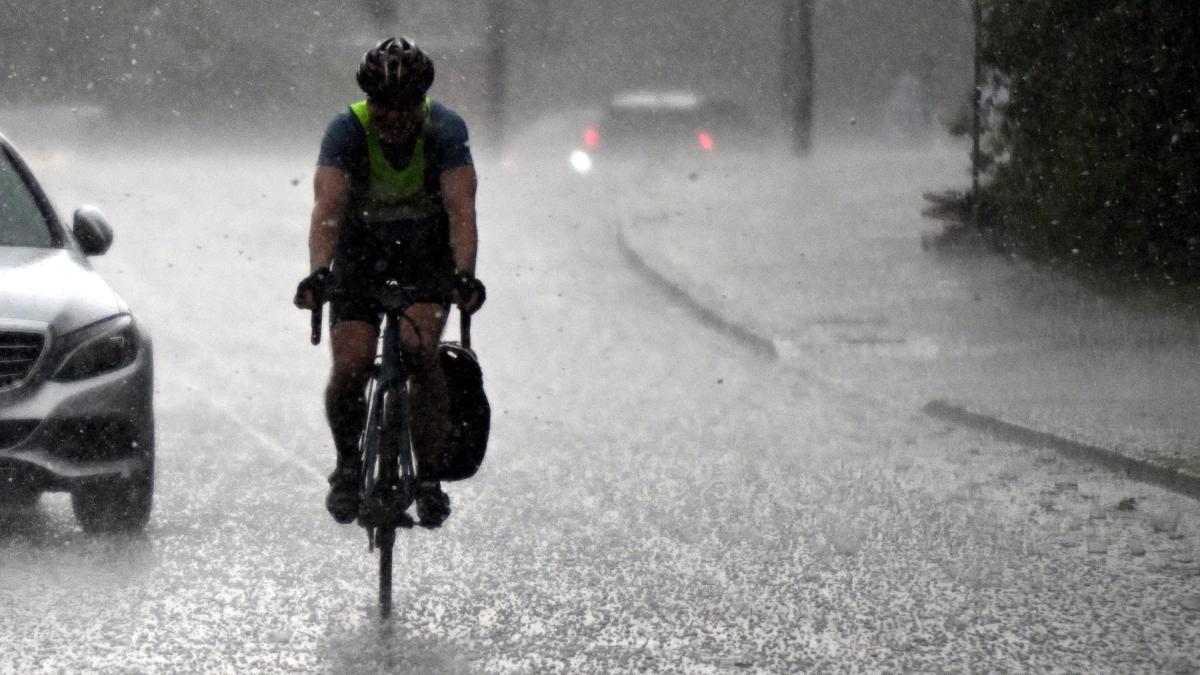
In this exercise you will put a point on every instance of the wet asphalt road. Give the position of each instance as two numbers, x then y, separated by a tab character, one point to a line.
656	497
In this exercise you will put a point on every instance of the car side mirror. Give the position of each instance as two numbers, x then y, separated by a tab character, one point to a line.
92	230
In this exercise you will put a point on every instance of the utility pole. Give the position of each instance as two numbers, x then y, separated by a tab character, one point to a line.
798	71
496	66
977	104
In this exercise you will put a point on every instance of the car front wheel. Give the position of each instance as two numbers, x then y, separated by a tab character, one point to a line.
115	505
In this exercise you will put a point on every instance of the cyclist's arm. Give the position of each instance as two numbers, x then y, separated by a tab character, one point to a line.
332	188
458	194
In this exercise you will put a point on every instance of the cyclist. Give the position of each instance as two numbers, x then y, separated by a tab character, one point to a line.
395	200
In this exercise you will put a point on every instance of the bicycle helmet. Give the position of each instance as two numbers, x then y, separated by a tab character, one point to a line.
395	71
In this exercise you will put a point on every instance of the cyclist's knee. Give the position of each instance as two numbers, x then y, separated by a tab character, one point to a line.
421	330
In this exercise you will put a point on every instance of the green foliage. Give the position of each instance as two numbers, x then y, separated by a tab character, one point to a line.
1101	133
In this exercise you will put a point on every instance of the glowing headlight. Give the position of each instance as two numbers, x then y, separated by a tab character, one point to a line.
581	162
98	349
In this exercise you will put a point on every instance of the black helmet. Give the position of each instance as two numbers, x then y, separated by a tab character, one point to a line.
395	71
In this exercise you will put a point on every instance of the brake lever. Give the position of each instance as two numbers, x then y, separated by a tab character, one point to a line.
317	317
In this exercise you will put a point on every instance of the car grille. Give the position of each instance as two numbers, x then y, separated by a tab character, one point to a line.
19	352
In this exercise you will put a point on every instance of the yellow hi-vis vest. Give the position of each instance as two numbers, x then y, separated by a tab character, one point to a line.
393	195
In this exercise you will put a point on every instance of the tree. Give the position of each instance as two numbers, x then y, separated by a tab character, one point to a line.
1101	132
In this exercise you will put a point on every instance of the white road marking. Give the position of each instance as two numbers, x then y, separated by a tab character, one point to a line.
271	445
274	447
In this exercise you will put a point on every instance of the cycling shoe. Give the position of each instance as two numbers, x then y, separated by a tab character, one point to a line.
433	505
342	500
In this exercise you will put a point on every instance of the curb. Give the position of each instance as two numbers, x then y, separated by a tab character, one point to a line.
756	343
1136	469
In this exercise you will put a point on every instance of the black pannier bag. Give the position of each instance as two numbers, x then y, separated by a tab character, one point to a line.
470	416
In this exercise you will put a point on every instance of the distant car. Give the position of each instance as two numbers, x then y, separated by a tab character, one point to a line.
657	125
76	411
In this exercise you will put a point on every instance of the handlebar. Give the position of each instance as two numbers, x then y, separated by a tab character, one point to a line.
318	314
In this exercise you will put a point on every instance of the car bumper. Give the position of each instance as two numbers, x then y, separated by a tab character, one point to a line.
57	435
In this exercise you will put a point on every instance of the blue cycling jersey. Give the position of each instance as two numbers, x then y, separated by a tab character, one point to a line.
345	146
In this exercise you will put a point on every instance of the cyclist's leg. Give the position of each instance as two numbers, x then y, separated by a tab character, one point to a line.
420	333
354	345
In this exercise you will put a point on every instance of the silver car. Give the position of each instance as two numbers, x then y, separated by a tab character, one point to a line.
76	373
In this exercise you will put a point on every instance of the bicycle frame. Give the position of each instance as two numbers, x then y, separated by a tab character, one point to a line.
387	449
386	440
391	380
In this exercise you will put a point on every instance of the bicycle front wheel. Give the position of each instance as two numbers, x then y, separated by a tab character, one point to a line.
386	539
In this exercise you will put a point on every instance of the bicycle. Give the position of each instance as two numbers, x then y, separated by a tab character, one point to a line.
388	478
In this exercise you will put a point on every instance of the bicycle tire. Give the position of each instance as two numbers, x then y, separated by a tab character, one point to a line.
404	447
390	436
388	443
386	540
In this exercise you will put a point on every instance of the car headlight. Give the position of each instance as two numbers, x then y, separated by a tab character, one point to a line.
98	348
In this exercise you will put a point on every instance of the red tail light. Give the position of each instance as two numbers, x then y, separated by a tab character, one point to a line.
591	137
706	141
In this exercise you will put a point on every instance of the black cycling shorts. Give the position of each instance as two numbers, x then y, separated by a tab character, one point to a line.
363	264
353	288
348	307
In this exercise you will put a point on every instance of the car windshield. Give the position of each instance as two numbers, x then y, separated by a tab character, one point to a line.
22	223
